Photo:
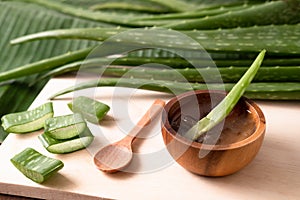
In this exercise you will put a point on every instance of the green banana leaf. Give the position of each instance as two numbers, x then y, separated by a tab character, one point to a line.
17	19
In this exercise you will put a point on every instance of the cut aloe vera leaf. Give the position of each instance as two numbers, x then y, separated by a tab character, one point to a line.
222	110
67	146
92	110
36	166
27	121
65	127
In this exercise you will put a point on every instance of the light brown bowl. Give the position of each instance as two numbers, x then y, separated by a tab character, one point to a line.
242	134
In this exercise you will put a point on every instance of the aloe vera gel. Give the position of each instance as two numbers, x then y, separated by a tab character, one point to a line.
27	121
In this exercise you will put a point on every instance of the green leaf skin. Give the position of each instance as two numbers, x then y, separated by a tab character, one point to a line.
273	12
273	70
44	65
67	146
228	74
65	127
175	5
27	121
92	110
195	13
139	7
276	39
260	90
166	19
36	166
219	113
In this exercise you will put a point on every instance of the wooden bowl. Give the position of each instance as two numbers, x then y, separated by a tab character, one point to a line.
241	134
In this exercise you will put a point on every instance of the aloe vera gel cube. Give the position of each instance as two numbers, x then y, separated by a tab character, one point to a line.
92	110
65	127
27	121
67	146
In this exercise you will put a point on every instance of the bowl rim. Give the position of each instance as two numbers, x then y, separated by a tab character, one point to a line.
259	131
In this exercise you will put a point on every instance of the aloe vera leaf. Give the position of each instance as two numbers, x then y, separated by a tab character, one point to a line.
152	23
175	18
175	5
154	85
144	6
180	69
67	146
99	34
277	39
272	68
273	62
124	20
273	12
208	4
261	90
36	166
65	127
27	121
228	74
192	14
99	62
218	113
43	65
193	55
91	109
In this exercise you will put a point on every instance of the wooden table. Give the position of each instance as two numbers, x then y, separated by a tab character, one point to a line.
274	174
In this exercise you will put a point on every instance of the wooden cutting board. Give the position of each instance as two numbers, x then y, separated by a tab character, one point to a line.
274	174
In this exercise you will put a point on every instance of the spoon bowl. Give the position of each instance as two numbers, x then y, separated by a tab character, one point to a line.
114	157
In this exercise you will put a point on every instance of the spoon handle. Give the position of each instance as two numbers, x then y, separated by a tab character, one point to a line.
152	112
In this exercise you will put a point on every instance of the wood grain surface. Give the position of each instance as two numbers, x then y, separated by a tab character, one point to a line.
152	174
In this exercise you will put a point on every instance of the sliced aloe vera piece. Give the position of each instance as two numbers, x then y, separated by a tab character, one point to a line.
36	166
217	114
92	110
27	121
65	127
67	146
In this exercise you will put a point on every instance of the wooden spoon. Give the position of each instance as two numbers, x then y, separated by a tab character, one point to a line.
116	156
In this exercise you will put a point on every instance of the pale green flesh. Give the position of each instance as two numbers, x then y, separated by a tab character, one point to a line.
36	166
66	146
63	121
27	121
70	145
31	126
67	132
65	127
